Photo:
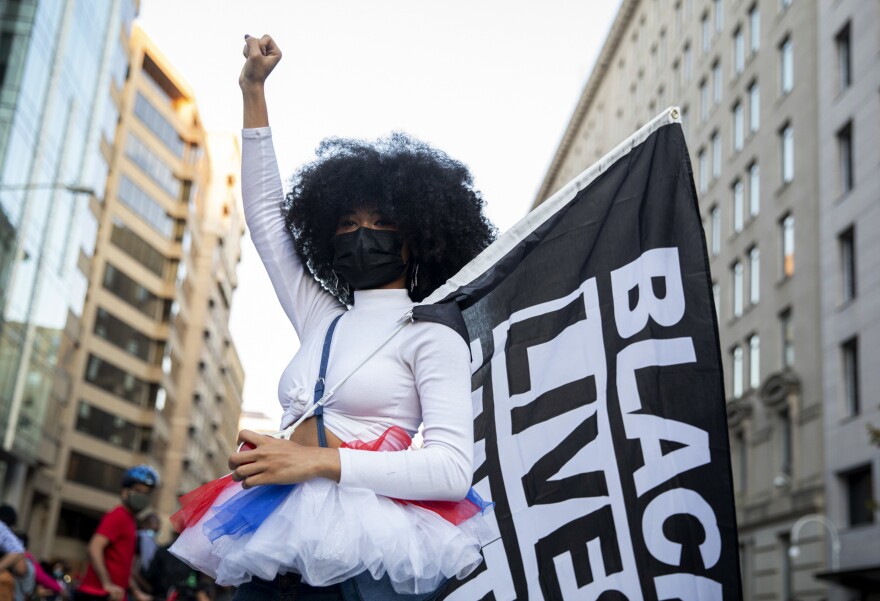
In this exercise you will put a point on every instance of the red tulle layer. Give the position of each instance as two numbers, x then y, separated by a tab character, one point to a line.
196	503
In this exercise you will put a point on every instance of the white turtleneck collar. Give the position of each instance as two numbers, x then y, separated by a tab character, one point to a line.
390	298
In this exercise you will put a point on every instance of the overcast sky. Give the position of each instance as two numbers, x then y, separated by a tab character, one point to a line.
491	82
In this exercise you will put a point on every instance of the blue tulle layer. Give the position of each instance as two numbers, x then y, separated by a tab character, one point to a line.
243	513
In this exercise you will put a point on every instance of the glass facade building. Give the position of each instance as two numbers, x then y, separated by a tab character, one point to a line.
60	64
119	240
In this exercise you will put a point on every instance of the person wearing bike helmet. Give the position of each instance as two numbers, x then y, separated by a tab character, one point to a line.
112	546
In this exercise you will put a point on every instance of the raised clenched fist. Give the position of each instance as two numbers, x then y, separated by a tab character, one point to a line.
261	55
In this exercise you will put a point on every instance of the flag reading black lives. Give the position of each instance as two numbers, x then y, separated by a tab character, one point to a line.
600	424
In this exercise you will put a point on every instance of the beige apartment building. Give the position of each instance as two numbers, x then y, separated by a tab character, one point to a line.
155	377
784	155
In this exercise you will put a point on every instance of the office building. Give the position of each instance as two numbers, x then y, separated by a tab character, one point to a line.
60	64
154	336
779	106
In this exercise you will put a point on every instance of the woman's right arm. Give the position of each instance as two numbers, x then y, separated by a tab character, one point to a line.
301	297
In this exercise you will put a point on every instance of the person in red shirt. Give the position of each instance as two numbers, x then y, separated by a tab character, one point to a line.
112	546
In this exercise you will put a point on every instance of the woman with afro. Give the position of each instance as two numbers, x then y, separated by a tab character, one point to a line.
365	232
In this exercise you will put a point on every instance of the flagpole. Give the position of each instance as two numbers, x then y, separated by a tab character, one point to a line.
525	226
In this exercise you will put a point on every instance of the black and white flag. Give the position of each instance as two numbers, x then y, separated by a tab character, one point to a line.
600	423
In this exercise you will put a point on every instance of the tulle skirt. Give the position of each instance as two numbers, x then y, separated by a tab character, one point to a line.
328	533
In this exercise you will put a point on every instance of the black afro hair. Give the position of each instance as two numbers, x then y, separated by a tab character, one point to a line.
428	194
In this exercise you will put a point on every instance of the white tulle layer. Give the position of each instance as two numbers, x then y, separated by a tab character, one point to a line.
329	533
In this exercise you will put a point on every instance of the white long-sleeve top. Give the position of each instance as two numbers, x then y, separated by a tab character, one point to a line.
421	376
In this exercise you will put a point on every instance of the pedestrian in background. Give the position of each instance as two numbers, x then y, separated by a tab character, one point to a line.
12	568
112	546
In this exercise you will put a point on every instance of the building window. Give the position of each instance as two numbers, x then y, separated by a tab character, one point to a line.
786	66
96	422
135	294
120	383
785	441
754	107
687	63
716	155
739	51
736	271
754	189
844	66
736	355
75	523
661	49
719	15
787	230
742	461
706	33
786	328
685	119
785	3
704	170
755	29
137	248
743	456
125	337
147	208
754	275
717	82
738	127
737	190
754	361
785	571
675	82
152	165
844	152
678	20
851	397
716	230
158	125
786	146
716	296
93	472
859	494
704	100
847	243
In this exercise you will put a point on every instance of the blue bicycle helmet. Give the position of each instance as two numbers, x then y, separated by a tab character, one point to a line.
140	474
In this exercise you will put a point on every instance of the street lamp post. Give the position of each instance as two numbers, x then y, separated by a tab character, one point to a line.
794	551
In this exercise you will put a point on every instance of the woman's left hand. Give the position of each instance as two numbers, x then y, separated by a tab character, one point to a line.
280	461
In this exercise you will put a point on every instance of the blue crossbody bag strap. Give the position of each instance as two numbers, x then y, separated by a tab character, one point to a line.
319	385
361	587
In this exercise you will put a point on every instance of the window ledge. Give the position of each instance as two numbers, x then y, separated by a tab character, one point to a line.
783	187
783	281
844	305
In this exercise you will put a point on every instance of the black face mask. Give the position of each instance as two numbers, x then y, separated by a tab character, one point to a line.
368	258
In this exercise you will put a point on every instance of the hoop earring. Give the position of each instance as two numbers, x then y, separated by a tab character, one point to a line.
339	290
414	280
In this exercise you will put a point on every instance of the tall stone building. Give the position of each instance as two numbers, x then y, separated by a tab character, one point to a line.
60	63
779	102
155	377
849	242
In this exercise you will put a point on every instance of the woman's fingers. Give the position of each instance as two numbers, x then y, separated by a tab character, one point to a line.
261	55
269	47
244	471
249	436
249	442
256	480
